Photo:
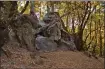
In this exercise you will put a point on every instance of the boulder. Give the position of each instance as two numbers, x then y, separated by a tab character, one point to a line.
24	28
69	45
54	25
45	44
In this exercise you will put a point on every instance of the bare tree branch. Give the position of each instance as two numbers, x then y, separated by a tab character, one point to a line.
65	14
89	43
86	12
88	17
91	32
24	7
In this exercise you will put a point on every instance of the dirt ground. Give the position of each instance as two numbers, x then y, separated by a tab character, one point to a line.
23	59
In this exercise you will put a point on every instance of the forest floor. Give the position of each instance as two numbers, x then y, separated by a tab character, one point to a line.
21	59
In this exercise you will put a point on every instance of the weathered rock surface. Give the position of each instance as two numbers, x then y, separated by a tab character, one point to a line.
67	44
54	28
24	28
3	35
4	38
45	44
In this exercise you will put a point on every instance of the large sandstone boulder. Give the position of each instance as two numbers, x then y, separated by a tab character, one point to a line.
24	27
45	44
54	25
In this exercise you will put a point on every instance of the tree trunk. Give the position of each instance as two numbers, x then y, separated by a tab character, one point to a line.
95	44
100	38
67	18
52	6
48	8
78	40
104	30
100	43
9	12
73	27
79	37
